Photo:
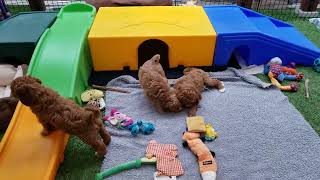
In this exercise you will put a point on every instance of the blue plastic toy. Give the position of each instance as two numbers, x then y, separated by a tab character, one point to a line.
145	128
257	38
316	65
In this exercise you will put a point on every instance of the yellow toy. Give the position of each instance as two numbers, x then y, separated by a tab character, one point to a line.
196	124
211	134
128	36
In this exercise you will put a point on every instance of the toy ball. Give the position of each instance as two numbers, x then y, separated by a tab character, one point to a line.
134	129
316	65
147	128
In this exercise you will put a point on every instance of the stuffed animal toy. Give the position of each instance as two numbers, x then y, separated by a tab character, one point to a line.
99	103
206	160
145	128
166	154
210	134
276	72
118	119
91	94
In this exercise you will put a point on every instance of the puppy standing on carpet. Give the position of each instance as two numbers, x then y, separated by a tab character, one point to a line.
190	86
156	87
58	113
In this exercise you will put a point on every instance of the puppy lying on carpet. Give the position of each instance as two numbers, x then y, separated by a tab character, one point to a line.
58	113
156	87
189	87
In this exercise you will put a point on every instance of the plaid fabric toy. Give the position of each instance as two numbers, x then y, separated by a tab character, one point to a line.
167	163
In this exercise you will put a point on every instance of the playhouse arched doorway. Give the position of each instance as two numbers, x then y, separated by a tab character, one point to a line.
151	47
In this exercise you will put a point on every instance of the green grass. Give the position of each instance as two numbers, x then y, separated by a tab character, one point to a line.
309	108
16	9
308	29
79	163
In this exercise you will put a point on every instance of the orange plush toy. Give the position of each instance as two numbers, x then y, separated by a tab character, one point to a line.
206	160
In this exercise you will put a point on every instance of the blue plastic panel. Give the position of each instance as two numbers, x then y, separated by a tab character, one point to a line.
257	38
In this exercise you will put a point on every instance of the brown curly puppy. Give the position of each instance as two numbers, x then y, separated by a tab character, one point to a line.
189	87
7	108
58	113
156	87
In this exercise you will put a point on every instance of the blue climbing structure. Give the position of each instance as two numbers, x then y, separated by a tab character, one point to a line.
257	38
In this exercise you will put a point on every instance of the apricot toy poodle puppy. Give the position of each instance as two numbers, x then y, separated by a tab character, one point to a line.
156	87
189	87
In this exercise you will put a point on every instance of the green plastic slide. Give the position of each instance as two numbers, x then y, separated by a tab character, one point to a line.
62	61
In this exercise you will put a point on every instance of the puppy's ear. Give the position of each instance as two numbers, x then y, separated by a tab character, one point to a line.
23	93
156	58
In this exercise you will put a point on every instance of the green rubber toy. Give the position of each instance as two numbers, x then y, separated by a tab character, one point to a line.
125	166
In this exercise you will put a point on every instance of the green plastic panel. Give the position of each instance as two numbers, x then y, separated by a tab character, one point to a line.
62	59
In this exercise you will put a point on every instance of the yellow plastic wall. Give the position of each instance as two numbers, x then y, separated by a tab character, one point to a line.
23	148
117	32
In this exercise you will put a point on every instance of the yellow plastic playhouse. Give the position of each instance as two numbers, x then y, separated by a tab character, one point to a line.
128	36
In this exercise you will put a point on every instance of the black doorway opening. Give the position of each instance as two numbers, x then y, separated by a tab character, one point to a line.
151	47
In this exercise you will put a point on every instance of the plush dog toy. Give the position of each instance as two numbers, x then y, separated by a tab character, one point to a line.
206	160
276	72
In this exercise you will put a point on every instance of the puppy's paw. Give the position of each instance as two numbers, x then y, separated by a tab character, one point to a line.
222	90
100	155
101	150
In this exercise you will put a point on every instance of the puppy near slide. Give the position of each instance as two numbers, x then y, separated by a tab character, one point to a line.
58	113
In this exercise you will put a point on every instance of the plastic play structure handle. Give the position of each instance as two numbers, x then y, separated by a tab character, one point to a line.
125	166
122	167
